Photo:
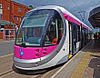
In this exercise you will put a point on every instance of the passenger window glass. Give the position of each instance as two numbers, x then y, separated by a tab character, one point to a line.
78	33
19	40
55	31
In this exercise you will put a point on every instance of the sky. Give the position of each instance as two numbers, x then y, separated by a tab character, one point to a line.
73	6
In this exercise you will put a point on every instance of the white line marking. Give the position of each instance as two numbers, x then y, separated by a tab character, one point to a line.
65	65
6	55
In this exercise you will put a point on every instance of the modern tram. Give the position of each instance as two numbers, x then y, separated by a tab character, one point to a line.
48	36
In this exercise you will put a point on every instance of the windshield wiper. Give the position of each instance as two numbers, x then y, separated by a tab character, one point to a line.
23	45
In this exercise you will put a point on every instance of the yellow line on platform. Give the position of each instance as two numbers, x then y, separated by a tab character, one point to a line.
6	55
80	69
70	56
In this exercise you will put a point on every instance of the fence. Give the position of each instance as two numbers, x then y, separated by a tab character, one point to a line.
7	34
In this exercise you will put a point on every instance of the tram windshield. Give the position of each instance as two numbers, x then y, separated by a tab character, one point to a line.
40	26
32	27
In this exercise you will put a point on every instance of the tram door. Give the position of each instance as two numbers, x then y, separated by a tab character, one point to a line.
70	41
74	38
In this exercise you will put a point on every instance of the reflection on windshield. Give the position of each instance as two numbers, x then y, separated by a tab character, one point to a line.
31	30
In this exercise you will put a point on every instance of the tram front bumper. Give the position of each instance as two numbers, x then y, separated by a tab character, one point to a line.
26	64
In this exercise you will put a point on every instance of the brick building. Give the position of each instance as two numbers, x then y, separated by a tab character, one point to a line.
17	11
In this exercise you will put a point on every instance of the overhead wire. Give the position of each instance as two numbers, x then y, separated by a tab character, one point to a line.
80	11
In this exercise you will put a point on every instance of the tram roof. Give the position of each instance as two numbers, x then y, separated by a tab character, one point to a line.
58	8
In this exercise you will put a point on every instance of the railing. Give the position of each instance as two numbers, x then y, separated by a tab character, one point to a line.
8	34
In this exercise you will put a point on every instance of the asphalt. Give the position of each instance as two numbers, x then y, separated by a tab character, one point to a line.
6	47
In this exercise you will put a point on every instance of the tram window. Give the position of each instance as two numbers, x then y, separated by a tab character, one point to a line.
31	31
78	33
51	34
55	31
60	28
32	34
19	38
74	32
84	36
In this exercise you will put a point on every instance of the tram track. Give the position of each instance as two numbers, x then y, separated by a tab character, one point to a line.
7	71
13	74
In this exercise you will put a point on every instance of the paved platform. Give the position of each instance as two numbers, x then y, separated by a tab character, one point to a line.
93	68
85	64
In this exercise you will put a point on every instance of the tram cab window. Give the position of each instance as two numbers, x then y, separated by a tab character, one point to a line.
32	27
55	31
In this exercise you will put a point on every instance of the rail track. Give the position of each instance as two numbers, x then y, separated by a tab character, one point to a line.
7	70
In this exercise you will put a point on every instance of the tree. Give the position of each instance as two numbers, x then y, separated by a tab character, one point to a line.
31	7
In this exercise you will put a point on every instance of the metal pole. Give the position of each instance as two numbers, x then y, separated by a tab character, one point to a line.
4	34
14	34
10	13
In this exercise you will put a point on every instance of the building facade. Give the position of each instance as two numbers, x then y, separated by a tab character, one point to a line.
11	13
16	10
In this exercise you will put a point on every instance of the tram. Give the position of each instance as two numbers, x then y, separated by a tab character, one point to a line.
48	36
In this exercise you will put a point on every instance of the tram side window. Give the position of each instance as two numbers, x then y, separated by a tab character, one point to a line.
88	35
55	31
78	33
20	36
74	32
84	36
51	31
60	29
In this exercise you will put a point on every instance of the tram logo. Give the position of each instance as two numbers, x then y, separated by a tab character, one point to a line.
21	52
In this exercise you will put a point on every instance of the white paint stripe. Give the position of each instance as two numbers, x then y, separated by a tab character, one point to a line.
54	75
36	76
6	55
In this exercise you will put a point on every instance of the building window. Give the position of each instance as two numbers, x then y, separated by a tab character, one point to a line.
8	8
19	9
0	6
17	18
14	17
20	18
0	10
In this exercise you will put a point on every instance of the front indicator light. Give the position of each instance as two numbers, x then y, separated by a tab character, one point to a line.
45	49
38	50
37	54
44	52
